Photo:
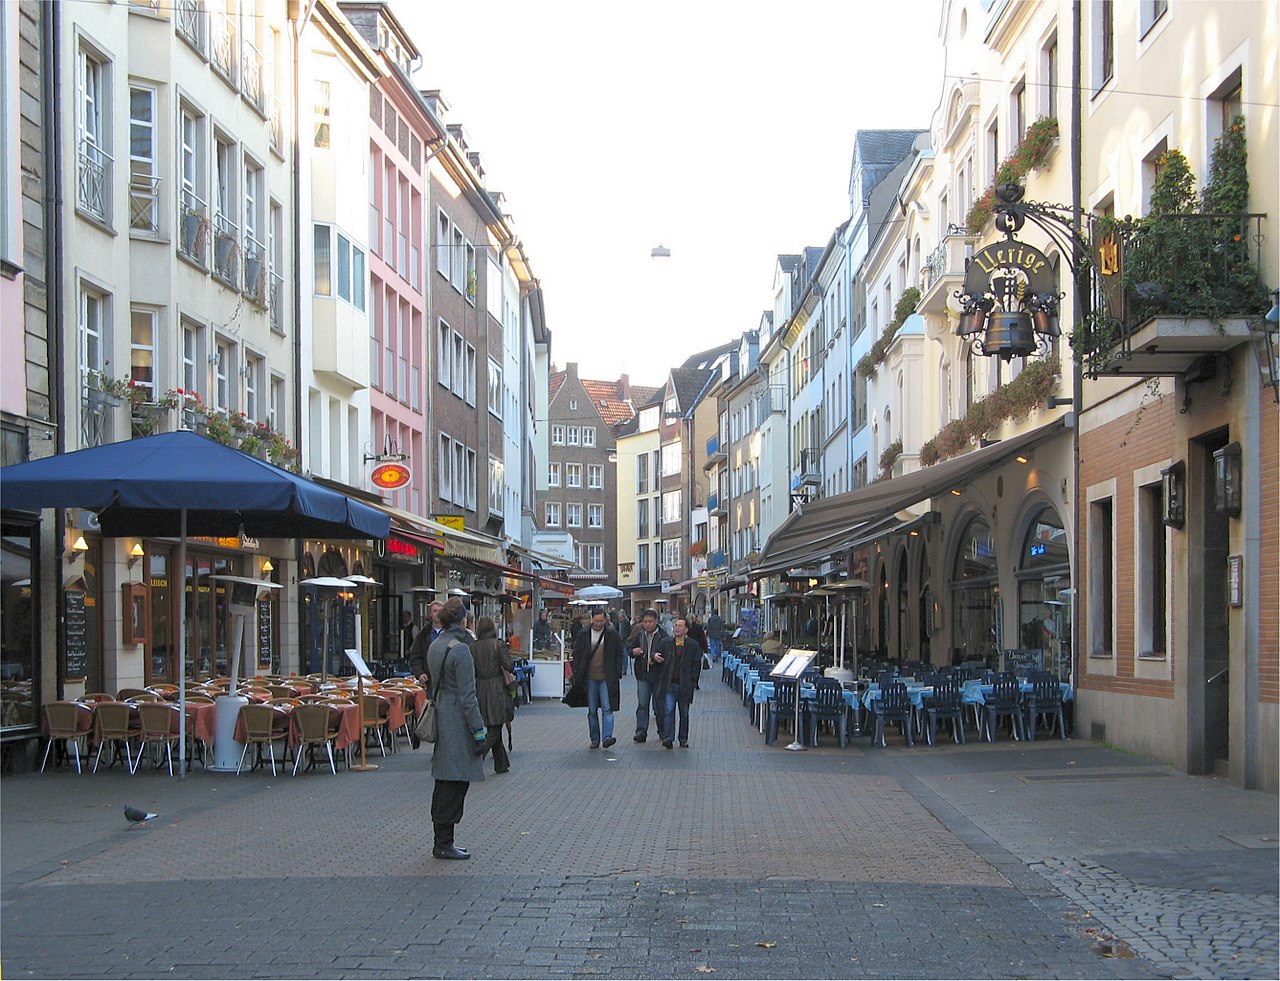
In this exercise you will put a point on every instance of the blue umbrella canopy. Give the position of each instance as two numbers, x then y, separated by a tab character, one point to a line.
142	486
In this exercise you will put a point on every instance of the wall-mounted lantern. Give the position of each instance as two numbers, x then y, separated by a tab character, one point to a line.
1227	480
1174	479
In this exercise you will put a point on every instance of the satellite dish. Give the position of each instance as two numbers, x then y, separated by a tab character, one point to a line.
660	251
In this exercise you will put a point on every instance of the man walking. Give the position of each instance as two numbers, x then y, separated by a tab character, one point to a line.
715	634
681	661
597	657
644	645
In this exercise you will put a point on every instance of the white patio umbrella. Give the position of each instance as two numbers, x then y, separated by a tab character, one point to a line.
598	592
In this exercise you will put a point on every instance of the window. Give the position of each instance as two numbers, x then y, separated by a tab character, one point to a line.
93	185
144	180
671	512
1152	578
573	515
323	261
322	113
1101	577
1103	53
573	474
643	571
1049	77
573	405
859	474
642	474
275	284
223	371
192	207
1149	13
1018	112
557	435
573	435
254	373
446	467
442	244
1151	166
347	274
670	459
553	475
457	259
470	369
553	514
595	515
277	413
444	354
588	435
495	388
93	330
496	471
471	285
142	352
670	554
192	337
1224	104
254	251
642	518
595	558
595	476
344	267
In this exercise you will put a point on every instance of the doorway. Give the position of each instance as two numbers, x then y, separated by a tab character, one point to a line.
1208	677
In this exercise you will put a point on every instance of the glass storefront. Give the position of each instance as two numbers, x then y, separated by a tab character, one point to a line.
19	682
1045	594
975	598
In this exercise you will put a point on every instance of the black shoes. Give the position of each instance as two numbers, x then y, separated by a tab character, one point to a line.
414	741
452	852
684	744
639	737
609	742
667	743
595	745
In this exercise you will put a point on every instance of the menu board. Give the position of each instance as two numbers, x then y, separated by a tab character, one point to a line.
77	634
347	626
749	622
266	632
1021	660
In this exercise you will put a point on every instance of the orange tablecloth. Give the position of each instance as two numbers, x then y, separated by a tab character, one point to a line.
202	720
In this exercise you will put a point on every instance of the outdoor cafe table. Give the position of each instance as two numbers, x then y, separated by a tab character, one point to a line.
764	691
971	693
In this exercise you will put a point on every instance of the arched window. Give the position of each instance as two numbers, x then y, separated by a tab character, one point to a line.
975	597
1044	596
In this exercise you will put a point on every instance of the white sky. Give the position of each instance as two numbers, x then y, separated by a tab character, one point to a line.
722	130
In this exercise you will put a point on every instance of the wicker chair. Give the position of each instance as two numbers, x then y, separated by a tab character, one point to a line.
70	723
259	730
159	728
316	726
113	723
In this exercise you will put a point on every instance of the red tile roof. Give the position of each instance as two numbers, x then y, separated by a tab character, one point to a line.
606	398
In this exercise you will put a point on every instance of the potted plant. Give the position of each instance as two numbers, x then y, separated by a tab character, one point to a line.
105	391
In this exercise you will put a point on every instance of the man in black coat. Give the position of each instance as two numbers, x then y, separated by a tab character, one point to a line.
680	660
643	645
597	666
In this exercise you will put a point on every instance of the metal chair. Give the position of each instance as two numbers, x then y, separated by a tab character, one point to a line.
1003	702
828	706
1045	701
945	704
781	708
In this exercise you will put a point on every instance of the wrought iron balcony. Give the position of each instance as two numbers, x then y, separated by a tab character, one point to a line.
226	235
276	124
93	186
276	301
187	23
251	76
222	49
944	270
144	201
193	226
809	471
1171	294
255	279
717	560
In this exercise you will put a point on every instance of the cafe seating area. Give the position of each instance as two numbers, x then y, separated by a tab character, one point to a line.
914	700
302	722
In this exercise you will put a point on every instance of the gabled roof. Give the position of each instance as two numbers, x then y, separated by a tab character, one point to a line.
788	263
884	146
689	385
642	395
705	359
608	401
553	385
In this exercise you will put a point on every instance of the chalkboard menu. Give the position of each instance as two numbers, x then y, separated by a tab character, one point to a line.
266	632
347	623
77	633
1022	660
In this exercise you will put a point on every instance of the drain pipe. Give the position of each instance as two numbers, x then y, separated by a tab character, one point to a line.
1077	375
50	86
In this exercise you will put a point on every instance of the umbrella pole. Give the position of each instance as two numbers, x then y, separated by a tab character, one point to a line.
182	645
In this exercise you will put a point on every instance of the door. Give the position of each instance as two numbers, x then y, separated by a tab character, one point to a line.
1209	690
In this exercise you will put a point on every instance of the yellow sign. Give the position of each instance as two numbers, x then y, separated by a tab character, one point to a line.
454	521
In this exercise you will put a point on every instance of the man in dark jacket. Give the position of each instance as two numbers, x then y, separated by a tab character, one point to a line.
643	644
597	665
715	634
680	658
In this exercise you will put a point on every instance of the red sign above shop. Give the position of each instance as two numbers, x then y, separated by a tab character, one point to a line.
390	476
401	548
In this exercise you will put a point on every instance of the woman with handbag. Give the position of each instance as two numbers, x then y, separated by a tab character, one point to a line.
597	667
460	731
493	666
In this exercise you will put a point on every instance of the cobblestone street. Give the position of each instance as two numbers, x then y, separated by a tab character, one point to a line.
731	858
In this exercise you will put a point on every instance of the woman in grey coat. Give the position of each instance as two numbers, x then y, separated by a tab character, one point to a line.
492	657
460	729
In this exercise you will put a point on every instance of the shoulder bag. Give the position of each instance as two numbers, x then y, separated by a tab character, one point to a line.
425	729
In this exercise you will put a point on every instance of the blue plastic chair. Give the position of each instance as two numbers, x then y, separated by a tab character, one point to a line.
1005	701
894	705
1045	701
782	708
945	703
828	706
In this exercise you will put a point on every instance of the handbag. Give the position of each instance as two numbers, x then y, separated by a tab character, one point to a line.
425	728
576	696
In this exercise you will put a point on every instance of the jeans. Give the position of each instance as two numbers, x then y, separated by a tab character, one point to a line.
671	702
717	647
597	704
645	695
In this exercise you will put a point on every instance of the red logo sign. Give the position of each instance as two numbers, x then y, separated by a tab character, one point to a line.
391	476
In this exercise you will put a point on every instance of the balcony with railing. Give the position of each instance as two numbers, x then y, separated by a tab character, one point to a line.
193	227
715	452
226	236
717	560
255	279
187	23
251	76
714	504
93	184
222	46
1173	293
808	469
275	302
943	271
144	203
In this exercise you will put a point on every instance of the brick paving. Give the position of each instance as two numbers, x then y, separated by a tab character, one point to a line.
728	859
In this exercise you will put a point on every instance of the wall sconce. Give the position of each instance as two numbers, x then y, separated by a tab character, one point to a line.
1174	480
1227	480
1266	346
78	548
267	566
135	554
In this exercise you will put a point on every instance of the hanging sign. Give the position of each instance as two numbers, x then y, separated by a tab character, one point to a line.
390	476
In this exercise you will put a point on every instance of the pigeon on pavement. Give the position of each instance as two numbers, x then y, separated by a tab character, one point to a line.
138	816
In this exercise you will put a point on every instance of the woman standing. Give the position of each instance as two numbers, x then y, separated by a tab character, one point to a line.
460	729
493	660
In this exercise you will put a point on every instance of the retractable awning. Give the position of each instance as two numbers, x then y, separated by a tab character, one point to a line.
817	529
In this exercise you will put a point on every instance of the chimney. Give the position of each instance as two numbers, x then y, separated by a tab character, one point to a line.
624	387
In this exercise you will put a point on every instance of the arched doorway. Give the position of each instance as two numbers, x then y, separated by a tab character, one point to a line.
1044	593
975	597
903	602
